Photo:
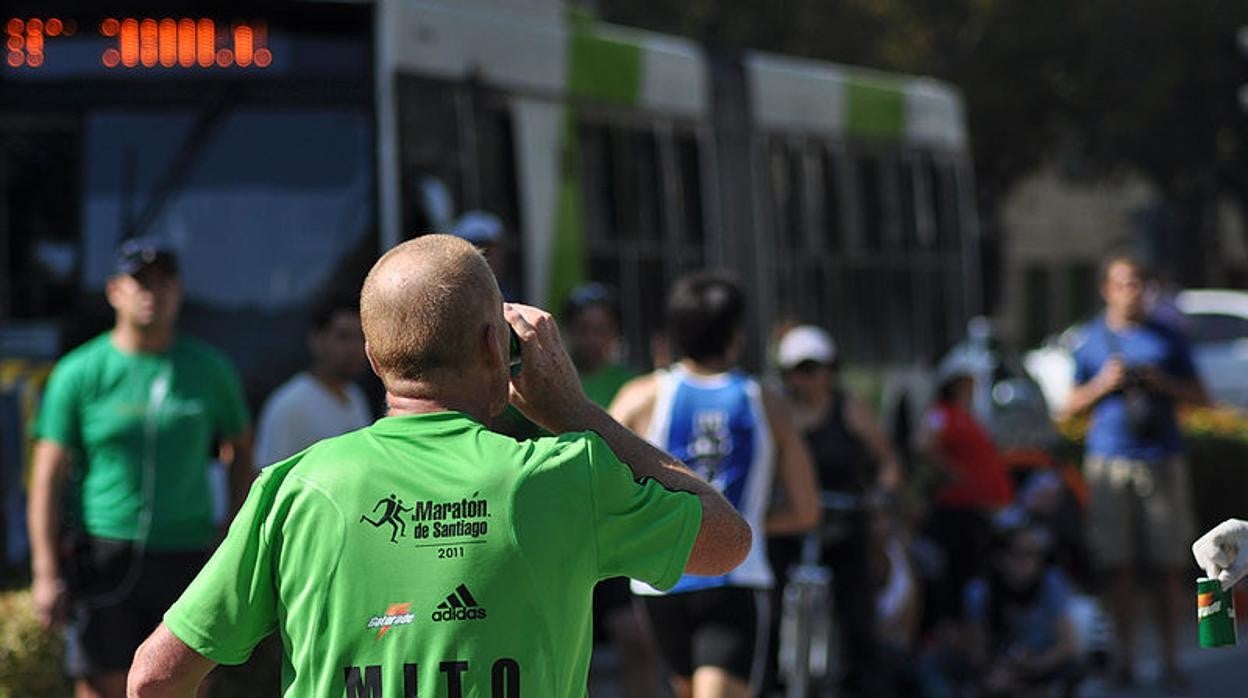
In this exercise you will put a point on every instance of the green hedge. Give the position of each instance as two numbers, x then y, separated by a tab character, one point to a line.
30	657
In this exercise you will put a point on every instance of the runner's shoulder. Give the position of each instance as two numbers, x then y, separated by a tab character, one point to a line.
635	400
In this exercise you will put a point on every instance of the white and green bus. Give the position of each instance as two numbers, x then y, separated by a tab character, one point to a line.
280	146
838	195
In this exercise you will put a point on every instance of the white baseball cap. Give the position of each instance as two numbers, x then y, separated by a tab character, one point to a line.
805	343
480	228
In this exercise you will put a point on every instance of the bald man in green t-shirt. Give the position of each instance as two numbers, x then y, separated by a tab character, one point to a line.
426	555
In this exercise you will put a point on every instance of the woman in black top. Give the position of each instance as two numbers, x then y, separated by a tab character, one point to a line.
852	456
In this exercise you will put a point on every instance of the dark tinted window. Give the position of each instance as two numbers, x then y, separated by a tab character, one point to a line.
1209	328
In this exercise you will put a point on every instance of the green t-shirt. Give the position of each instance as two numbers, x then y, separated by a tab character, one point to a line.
426	555
602	385
137	422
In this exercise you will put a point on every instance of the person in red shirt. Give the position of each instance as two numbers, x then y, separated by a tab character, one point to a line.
974	486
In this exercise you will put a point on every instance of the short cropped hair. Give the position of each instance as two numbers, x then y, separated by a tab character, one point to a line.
1126	257
422	306
704	312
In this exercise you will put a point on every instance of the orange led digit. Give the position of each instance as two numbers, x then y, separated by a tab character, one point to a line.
244	49
167	42
186	42
129	42
147	42
207	43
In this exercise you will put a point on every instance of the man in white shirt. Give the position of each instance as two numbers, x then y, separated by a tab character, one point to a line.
323	401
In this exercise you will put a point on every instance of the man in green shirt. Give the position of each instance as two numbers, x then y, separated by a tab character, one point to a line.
425	555
120	516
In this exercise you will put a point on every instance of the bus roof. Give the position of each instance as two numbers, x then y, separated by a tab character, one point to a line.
533	50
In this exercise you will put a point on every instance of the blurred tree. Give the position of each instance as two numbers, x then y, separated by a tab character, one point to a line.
1093	87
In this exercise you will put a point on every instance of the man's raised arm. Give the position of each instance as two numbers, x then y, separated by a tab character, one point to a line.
548	392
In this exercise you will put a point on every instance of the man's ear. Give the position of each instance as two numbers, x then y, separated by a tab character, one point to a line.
112	287
492	346
372	363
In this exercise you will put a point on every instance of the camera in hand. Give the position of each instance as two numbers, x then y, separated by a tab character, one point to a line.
1145	409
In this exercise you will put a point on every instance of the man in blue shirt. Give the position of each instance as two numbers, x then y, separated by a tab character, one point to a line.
1132	372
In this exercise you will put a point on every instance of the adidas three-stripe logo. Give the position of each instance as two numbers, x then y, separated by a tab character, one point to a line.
459	605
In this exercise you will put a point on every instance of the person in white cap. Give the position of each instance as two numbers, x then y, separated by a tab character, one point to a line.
852	456
1223	552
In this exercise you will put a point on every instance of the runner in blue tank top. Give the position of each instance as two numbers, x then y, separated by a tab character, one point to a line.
722	424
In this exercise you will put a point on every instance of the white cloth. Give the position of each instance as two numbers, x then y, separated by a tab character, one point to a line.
1223	552
303	411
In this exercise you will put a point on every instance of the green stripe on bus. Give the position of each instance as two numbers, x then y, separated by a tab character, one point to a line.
601	69
876	108
567	254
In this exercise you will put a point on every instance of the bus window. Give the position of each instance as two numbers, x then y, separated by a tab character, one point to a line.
496	171
786	195
640	193
39	249
870	202
833	204
267	213
643	228
598	166
906	214
622	181
429	117
690	188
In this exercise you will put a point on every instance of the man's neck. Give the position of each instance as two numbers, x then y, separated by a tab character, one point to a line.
710	367
146	340
1120	321
414	402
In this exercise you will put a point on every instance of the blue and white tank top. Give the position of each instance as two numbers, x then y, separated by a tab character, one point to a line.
717	426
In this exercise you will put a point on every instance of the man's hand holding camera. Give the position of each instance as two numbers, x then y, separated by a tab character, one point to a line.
547	389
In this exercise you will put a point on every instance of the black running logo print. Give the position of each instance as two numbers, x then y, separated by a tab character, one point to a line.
394	507
459	605
445	524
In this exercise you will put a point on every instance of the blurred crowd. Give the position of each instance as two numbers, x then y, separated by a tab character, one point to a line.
954	568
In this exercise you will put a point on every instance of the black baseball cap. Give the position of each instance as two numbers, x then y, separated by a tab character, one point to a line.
136	254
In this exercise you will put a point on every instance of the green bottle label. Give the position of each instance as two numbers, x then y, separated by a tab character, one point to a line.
1215	611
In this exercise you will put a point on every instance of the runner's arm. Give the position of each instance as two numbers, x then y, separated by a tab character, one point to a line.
164	666
50	467
795	472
